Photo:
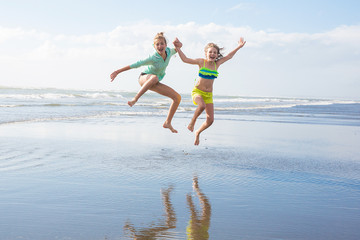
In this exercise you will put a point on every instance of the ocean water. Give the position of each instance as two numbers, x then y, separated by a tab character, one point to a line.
35	105
84	165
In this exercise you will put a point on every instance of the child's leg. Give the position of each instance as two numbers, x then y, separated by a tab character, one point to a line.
169	209
171	93
209	109
201	107
146	82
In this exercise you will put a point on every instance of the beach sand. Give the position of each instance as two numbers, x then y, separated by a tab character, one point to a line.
121	177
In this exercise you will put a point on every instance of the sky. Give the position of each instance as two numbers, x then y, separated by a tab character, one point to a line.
294	48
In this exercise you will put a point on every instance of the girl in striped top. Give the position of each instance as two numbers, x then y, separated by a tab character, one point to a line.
202	92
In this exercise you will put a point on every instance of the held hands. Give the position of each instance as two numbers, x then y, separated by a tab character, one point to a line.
177	43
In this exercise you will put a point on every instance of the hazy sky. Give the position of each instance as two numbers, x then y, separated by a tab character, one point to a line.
294	48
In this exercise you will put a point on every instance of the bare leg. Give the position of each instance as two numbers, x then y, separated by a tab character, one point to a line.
201	107
146	82
199	223
205	204
169	209
171	93
209	109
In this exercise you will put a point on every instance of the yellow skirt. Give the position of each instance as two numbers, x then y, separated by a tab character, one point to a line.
206	96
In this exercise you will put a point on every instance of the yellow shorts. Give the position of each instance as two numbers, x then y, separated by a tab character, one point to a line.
206	96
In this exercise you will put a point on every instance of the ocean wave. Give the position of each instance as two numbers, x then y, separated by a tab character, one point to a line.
64	104
8	105
279	102
55	96
256	99
83	117
26	105
237	108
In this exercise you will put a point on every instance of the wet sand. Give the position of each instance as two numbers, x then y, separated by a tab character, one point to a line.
120	178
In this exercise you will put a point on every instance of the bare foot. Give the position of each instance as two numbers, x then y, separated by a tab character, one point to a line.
169	126
197	138
132	102
191	127
195	182
167	191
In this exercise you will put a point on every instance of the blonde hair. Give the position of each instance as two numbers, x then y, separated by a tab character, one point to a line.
213	45
160	36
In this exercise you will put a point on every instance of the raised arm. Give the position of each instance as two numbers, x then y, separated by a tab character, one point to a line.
241	43
183	57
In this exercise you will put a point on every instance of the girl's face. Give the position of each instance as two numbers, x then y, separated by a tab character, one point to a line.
160	46
211	54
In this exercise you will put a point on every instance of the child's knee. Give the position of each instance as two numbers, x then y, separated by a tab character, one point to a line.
210	120
177	98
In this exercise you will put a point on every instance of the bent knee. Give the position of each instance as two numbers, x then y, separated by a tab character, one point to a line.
177	98
210	120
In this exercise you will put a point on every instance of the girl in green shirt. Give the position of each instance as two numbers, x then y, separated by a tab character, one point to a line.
150	78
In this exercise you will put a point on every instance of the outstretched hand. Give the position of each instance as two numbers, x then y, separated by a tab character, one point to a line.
177	43
241	42
113	75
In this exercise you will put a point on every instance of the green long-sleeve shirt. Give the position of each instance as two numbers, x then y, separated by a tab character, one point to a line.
155	63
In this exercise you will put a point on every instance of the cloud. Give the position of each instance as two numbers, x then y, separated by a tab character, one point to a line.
241	6
10	34
344	35
271	63
139	36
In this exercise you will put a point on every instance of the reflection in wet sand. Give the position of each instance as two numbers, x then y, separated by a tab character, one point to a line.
198	228
161	229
